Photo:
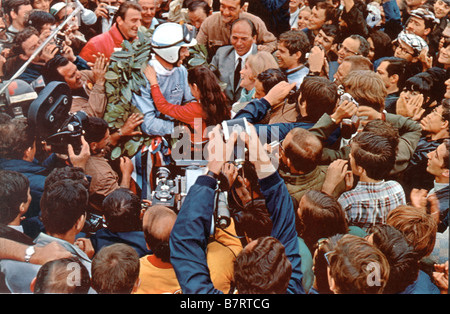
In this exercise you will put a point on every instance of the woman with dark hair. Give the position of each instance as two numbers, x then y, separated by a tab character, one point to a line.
430	85
210	108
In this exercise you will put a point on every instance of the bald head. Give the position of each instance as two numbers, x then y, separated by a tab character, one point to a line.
158	222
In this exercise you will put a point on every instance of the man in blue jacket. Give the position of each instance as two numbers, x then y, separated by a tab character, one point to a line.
189	237
17	153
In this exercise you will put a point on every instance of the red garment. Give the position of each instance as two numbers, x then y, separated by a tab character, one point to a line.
102	43
187	113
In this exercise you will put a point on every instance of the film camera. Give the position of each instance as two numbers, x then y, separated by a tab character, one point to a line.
168	191
50	118
171	191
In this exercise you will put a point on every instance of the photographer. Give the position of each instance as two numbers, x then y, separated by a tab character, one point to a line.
282	269
25	44
104	179
17	153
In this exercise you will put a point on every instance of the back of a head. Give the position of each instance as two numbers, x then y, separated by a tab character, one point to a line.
158	222
62	205
15	139
374	153
271	77
359	63
367	88
404	266
63	276
254	220
115	269
95	129
13	192
304	150
321	96
385	129
418	227
261	61
122	209
262	268
320	216
357	267
70	173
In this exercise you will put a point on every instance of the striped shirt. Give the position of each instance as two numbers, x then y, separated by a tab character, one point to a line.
368	204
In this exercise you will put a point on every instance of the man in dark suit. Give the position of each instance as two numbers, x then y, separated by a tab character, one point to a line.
229	60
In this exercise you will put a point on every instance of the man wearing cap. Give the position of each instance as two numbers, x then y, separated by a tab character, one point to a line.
170	42
408	47
422	22
126	25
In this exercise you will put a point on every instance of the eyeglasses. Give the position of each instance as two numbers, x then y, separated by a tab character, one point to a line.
325	255
346	50
434	111
404	50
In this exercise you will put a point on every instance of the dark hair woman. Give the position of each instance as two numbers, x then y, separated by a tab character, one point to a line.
210	107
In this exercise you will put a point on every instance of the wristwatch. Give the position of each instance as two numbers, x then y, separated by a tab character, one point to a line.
314	73
29	253
212	174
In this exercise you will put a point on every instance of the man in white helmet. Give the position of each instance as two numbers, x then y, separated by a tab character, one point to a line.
170	45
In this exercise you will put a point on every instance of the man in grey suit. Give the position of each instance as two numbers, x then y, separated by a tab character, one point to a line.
230	60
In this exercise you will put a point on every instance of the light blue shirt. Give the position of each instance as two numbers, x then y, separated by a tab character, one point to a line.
297	75
175	89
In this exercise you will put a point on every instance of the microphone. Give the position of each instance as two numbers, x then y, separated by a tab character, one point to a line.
87	16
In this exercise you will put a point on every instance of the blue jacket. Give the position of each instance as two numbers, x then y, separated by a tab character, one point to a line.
423	285
255	111
135	239
189	237
35	173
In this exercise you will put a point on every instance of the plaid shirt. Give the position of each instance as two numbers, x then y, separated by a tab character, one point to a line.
368	204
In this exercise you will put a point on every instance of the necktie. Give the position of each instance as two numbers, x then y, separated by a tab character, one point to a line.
237	74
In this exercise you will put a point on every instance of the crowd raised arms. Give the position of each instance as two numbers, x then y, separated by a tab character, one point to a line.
224	146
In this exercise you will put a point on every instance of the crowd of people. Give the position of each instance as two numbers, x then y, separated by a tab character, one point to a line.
335	172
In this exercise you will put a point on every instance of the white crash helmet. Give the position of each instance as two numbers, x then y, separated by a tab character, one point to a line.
168	38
